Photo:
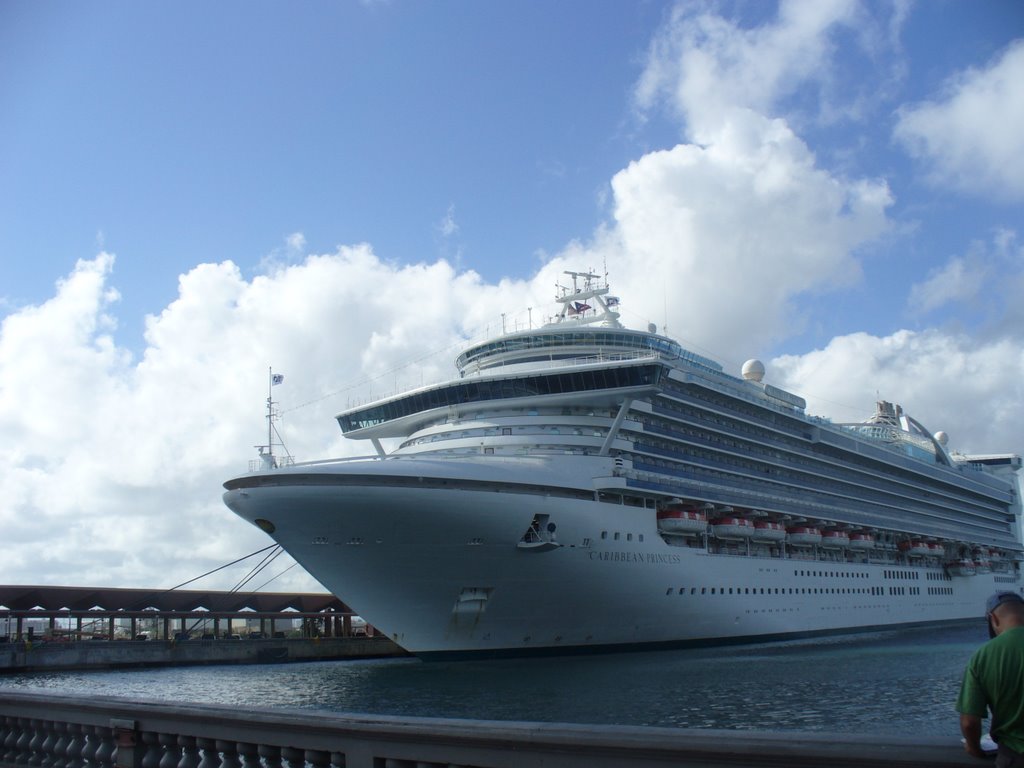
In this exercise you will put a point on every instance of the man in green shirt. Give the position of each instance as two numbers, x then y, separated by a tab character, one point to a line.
994	680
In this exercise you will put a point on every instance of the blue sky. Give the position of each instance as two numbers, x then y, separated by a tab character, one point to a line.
350	191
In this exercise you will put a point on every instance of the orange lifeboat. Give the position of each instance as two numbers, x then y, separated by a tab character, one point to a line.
765	530
961	568
835	539
732	528
981	562
681	520
804	536
862	540
914	548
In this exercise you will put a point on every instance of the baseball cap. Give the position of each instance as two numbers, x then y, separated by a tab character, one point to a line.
1002	597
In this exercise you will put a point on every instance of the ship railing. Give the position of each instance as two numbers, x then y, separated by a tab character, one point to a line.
255	465
44	729
590	359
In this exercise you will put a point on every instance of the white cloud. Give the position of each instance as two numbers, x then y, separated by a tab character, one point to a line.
448	225
736	231
293	250
296	242
986	283
742	222
971	136
957	280
705	66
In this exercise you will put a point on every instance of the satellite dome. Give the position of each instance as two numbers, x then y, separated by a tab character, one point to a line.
753	370
942	437
652	328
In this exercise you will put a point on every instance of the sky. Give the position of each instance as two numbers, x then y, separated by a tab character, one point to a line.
351	192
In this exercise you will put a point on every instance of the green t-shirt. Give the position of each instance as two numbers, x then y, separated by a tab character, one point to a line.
994	680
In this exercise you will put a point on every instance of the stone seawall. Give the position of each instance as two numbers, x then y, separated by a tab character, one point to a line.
34	657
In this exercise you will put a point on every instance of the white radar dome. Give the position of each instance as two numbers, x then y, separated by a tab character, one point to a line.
942	437
753	370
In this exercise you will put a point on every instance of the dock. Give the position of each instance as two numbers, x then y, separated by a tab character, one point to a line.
63	628
60	656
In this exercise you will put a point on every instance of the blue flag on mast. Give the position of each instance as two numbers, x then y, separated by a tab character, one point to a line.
277	378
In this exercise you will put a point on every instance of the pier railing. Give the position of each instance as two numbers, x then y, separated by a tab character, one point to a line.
101	732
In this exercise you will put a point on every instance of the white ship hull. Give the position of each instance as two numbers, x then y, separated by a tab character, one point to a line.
439	571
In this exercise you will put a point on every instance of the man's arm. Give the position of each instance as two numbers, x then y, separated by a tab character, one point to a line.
970	727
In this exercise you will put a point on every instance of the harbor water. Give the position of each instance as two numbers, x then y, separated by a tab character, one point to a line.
899	682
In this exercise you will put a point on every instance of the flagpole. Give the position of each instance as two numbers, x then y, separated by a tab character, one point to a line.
270	413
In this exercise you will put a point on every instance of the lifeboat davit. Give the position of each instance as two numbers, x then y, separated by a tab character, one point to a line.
681	520
732	528
862	541
804	536
765	530
835	539
961	568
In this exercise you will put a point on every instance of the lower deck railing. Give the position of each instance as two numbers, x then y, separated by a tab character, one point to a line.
87	732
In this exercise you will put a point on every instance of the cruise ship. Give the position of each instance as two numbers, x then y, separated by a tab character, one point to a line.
582	486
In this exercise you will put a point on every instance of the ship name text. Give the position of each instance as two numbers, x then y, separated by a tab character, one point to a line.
650	558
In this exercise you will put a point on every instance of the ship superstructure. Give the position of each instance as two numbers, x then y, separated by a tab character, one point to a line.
585	486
